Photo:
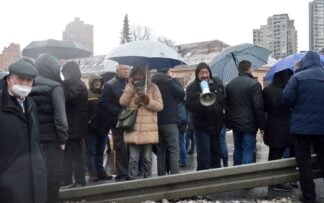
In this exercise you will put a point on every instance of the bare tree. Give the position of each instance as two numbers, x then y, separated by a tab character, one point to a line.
141	32
166	41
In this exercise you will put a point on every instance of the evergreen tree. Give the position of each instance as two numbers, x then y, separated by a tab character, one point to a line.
125	34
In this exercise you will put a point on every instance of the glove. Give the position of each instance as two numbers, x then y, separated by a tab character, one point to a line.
145	99
142	99
138	100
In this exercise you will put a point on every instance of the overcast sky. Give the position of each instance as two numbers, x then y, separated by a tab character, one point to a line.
230	21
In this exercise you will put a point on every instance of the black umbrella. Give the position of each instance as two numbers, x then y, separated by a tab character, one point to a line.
59	49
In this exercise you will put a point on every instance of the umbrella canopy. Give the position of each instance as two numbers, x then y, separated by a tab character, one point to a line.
151	54
225	64
286	63
59	49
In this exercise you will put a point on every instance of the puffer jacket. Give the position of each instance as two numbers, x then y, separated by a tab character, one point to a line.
304	94
245	108
146	128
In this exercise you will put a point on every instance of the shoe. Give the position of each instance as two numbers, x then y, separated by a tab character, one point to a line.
104	176
120	178
282	188
75	185
303	200
294	184
183	165
66	185
93	177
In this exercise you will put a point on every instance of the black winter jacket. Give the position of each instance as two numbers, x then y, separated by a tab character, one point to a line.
109	101
22	169
76	99
49	98
172	93
206	119
245	110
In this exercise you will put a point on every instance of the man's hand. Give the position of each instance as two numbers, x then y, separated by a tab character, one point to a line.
62	146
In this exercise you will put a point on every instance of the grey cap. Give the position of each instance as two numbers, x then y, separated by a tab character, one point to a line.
23	67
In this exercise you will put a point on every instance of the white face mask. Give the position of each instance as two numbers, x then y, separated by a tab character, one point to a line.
21	91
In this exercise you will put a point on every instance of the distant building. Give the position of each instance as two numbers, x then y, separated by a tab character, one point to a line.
316	25
279	36
79	32
9	55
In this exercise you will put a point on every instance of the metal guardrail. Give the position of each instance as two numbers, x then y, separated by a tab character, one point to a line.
191	184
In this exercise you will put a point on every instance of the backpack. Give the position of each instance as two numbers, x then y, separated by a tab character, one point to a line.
182	113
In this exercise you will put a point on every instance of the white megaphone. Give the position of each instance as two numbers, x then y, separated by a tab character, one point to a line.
207	98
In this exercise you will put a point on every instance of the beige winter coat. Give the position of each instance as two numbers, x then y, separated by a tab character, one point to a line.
146	128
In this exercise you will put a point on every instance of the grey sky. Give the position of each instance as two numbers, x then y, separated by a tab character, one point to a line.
230	21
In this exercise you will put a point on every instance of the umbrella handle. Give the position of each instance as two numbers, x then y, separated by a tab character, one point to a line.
145	86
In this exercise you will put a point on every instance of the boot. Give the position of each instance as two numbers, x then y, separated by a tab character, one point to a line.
225	163
93	177
104	176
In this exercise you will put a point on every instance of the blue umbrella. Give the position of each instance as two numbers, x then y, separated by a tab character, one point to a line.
286	63
225	64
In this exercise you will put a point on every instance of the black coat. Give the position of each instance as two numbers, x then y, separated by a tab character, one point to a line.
109	101
277	128
76	98
245	108
22	169
172	93
206	119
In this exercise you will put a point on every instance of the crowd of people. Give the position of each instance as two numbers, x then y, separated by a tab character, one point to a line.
54	130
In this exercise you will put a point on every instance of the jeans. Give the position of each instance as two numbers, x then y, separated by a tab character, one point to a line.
168	149
134	155
182	147
208	151
96	144
190	138
303	159
244	145
223	145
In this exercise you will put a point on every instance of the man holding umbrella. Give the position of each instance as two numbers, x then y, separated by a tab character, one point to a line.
109	104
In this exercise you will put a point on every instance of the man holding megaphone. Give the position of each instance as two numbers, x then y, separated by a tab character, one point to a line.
205	99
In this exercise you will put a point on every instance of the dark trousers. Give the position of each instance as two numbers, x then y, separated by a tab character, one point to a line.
168	149
303	158
278	153
73	161
121	153
208	151
96	144
53	155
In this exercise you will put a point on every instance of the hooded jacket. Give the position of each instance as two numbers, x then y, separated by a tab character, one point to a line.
172	92
48	95
95	122
146	126
304	94
209	119
76	101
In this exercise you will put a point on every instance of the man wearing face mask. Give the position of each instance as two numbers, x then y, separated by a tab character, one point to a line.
22	169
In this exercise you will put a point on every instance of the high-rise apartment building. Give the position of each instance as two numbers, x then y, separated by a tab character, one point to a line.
316	25
79	32
9	55
279	36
